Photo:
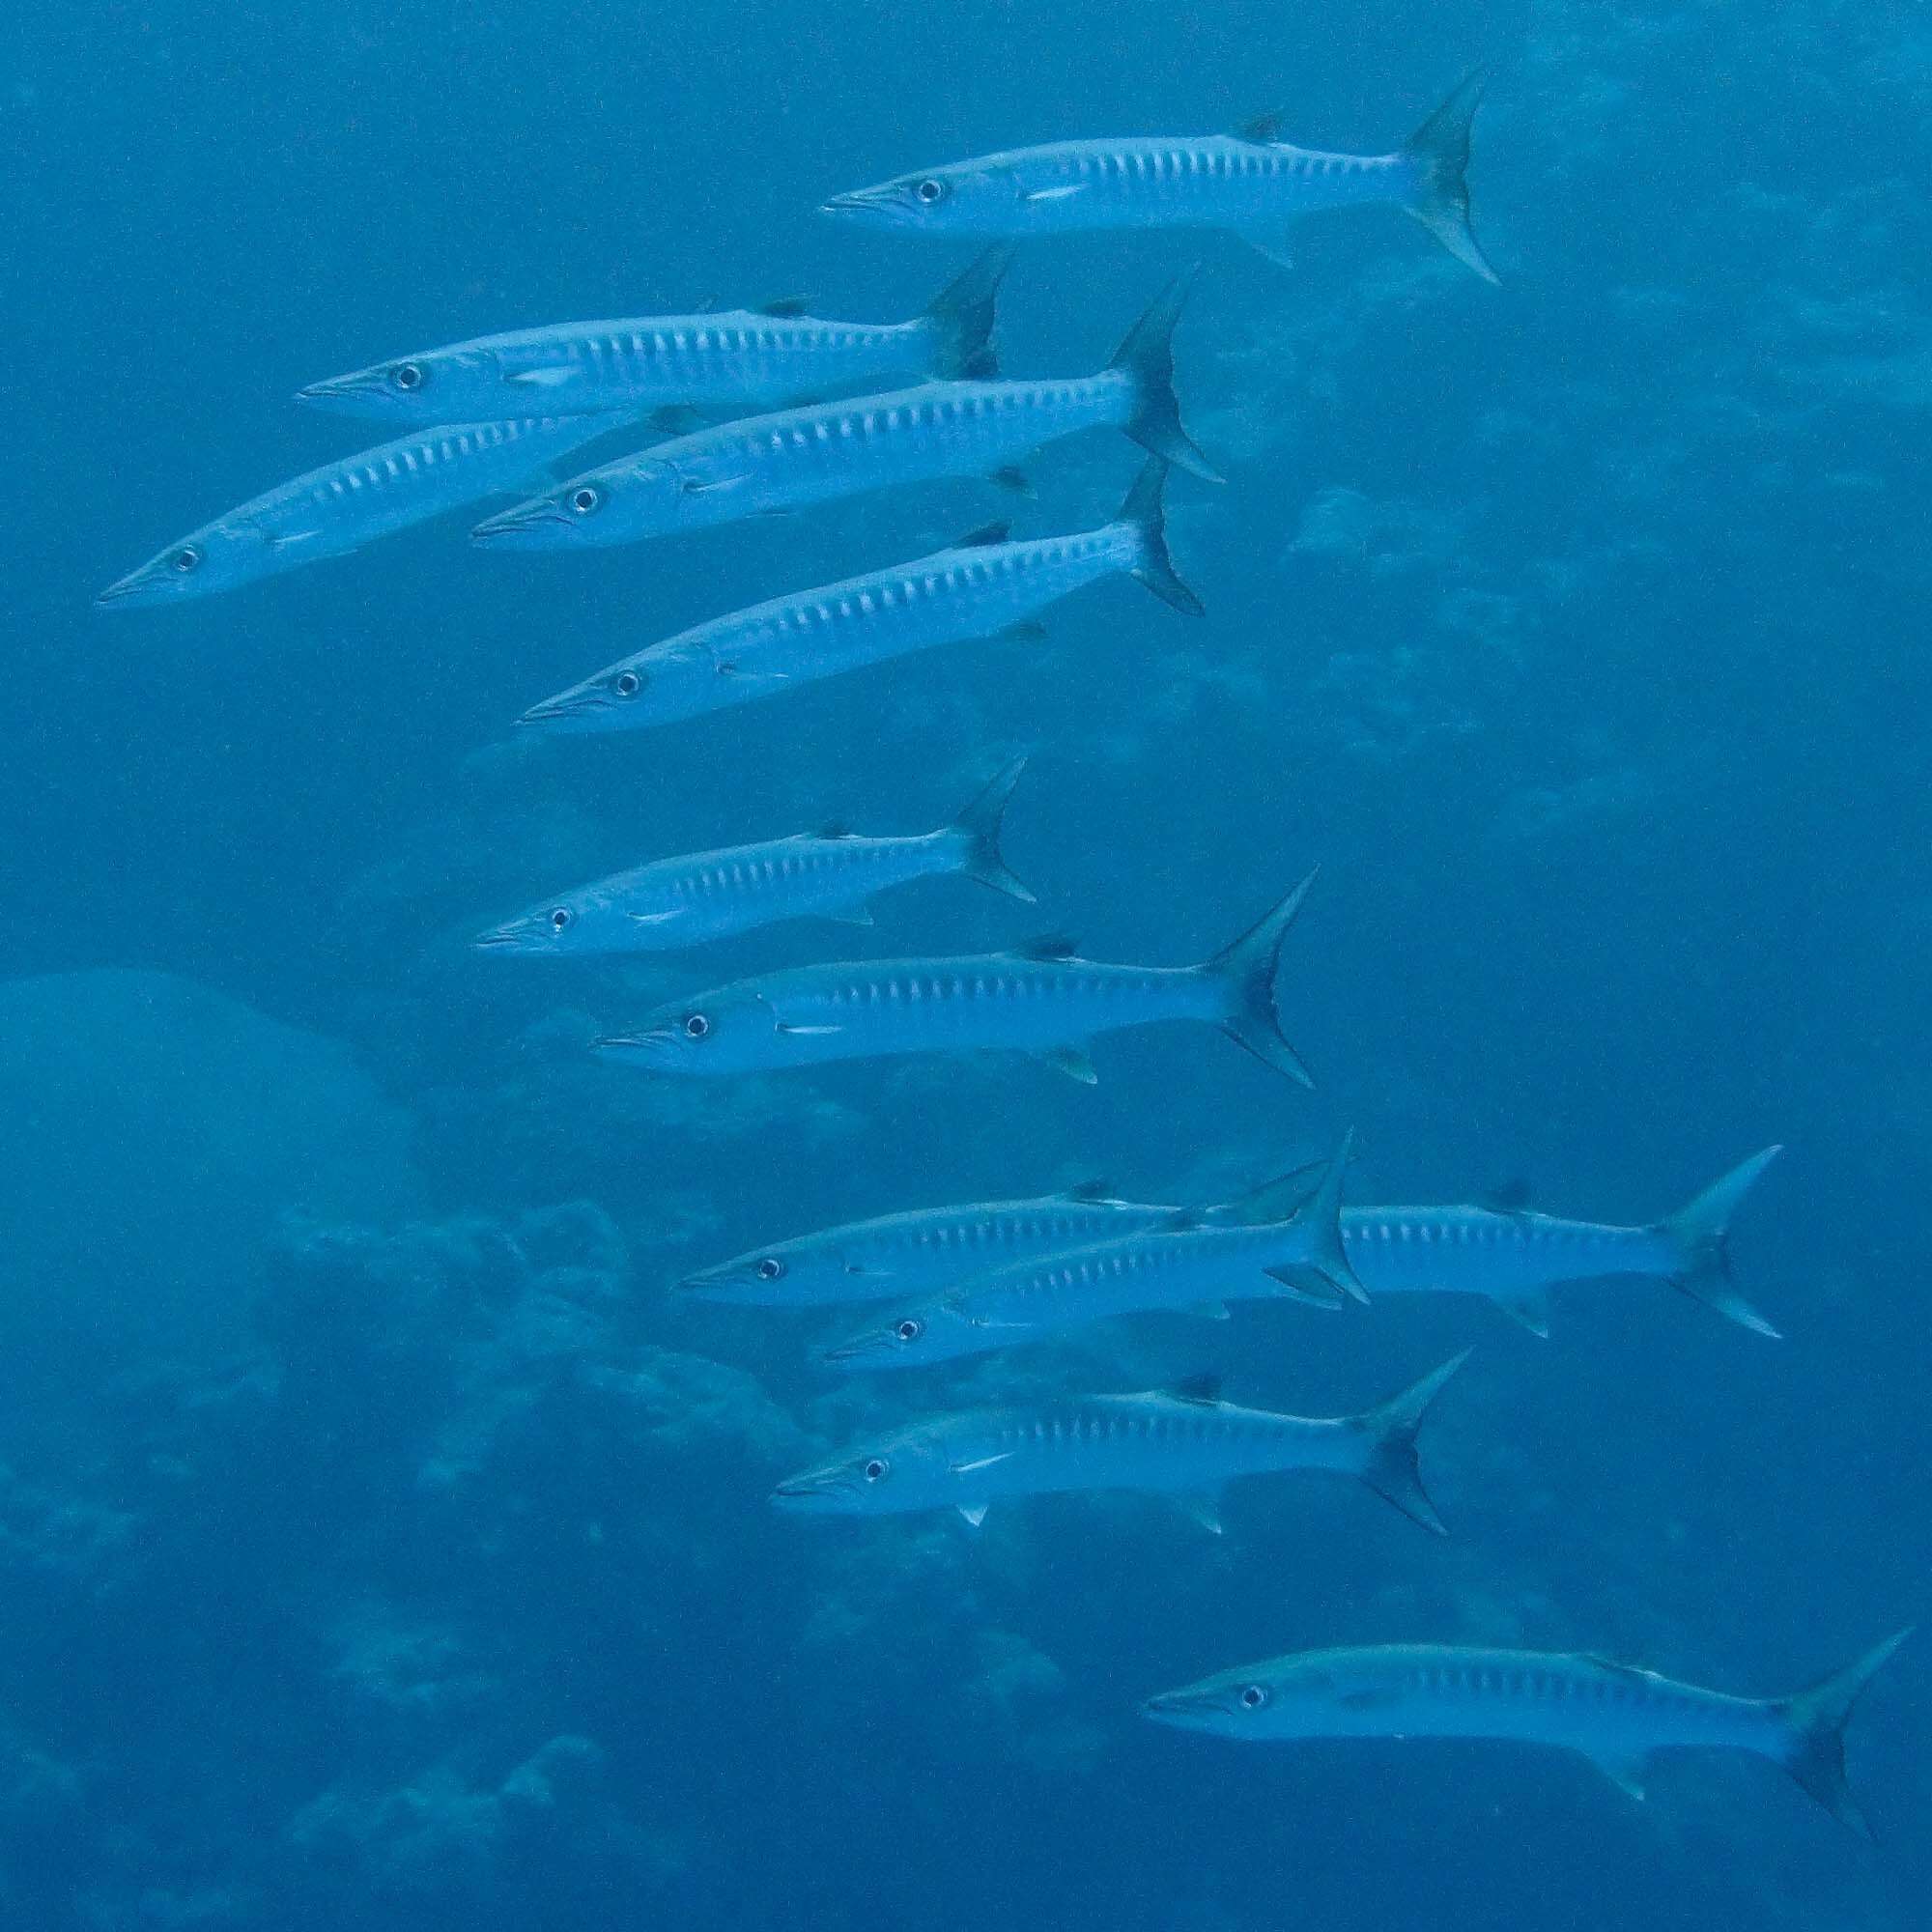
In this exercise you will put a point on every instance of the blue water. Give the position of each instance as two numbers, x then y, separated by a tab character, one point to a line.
382	1547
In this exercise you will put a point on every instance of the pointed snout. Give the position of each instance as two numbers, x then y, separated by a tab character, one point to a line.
339	392
1190	1709
867	204
122	589
499	938
526	527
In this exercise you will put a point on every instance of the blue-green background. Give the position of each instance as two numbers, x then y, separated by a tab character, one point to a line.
378	1544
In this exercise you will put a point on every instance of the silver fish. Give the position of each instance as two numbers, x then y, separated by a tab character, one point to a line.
1280	1243
734	361
1251	183
1514	1257
1042	999
338	508
984	586
1184	1441
829	450
1613	1714
825	874
920	1252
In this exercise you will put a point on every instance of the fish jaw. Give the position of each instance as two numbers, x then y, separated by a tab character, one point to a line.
363	392
537	524
887	206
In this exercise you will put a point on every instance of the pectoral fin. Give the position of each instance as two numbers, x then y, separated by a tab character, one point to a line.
1627	1770
549	377
1205	1509
1276	243
1073	1062
983	1463
654	917
1211	1311
805	1031
1066	192
1532	1308
851	916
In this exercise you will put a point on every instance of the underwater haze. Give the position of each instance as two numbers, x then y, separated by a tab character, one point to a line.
386	1538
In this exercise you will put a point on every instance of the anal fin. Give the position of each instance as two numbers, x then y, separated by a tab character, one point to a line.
1275	243
1072	1062
974	1512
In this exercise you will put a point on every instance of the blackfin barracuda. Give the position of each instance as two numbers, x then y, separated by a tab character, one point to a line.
1613	1714
1514	1257
1042	999
783	461
1280	1243
918	1252
732	360
338	508
984	586
1251	183
826	874
1182	1442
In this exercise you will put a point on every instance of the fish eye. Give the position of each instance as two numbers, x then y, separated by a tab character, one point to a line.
771	1268
697	1026
407	376
910	1329
877	1469
627	684
585	498
561	918
186	558
1253	1697
930	191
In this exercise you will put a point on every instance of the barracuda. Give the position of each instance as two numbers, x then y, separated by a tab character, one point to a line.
825	874
338	508
924	1251
817	455
1251	183
1514	1257
1182	1442
984	587
1613	1714
1279	1242
1043	1000
731	360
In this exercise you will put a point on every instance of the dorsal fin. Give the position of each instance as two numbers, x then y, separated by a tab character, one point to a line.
1182	1220
785	307
1278	1199
833	830
987	534
1202	1388
1512	1197
1052	946
1263	131
1088	1191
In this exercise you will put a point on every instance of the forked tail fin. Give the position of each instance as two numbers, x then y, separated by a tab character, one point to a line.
978	830
1701	1234
1389	1464
962	318
1145	510
1148	356
1439	153
1815	1747
1317	1218
1248	969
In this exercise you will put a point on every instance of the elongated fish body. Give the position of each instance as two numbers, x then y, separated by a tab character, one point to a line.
1043	1001
340	507
981	588
919	1253
1182	1441
817	454
1253	183
825	451
1196	180
1269	1247
1516	1257
734	361
1612	1712
826	874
